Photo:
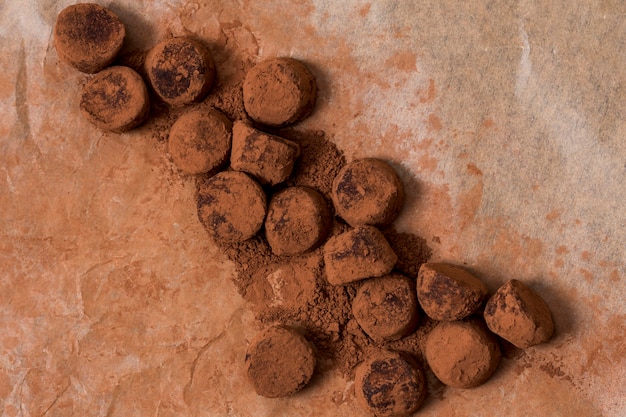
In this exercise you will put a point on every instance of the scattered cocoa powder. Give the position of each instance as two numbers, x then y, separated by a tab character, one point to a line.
279	91
519	315
279	362
115	99
88	36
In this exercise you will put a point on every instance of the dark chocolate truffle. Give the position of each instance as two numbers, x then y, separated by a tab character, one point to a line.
269	158
386	307
359	253
115	99
462	354
88	36
279	362
199	141
231	206
279	91
518	314
390	384
368	191
447	292
181	70
298	220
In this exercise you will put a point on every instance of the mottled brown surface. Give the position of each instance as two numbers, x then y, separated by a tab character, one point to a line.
504	122
279	91
115	99
88	36
199	141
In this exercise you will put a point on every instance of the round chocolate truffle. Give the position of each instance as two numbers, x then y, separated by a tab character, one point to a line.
180	70
447	292
462	354
88	36
390	384
518	314
231	206
386	307
298	220
279	362
279	91
115	99
368	191
199	141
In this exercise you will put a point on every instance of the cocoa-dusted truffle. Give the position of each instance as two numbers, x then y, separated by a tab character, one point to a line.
386	307
279	91
368	191
359	253
279	362
269	158
199	141
115	99
462	354
231	206
88	36
181	70
298	220
518	314
390	384
447	292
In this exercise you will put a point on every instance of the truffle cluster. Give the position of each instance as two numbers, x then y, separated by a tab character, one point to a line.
242	169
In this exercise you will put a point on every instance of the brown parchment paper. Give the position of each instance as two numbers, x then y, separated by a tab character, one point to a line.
505	119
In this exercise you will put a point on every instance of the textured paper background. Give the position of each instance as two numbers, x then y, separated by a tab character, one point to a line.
505	119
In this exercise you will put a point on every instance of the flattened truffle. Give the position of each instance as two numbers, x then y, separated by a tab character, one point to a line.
88	36
386	307
181	70
279	362
115	99
279	91
298	220
269	158
518	314
447	292
359	253
231	206
199	141
462	354
368	191
390	384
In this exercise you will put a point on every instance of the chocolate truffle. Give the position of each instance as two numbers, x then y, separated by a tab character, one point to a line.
88	36
359	253
462	354
180	70
231	206
279	91
298	220
390	384
368	191
199	141
447	292
115	99
279	362
269	158
518	314
386	307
